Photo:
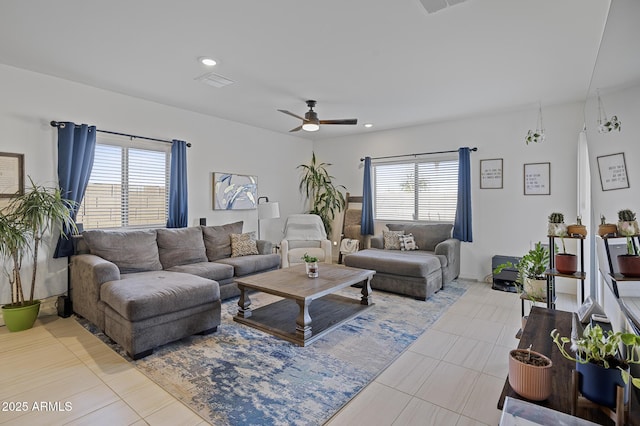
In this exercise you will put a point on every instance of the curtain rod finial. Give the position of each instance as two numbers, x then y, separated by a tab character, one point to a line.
53	123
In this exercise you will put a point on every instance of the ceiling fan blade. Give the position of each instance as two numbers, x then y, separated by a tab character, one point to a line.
291	114
344	121
296	129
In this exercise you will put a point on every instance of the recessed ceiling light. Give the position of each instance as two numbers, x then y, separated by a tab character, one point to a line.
368	125
207	61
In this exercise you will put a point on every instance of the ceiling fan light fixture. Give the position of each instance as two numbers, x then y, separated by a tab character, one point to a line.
310	127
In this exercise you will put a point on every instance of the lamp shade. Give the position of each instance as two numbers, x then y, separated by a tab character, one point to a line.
268	211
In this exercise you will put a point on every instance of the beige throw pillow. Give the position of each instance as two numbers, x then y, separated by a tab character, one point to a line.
391	239
243	244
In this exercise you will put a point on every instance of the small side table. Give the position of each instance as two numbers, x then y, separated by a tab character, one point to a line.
516	410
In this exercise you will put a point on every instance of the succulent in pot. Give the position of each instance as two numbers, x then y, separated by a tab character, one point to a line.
629	263
606	229
311	264
601	362
578	229
556	225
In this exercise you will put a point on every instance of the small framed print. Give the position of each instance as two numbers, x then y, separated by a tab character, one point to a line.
491	174
11	174
537	179
613	172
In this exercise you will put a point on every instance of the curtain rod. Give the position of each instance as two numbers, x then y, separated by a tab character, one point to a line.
57	124
422	153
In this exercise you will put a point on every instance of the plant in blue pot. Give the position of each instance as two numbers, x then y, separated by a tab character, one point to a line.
602	361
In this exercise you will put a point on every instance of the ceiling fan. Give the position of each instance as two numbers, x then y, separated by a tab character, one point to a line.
310	122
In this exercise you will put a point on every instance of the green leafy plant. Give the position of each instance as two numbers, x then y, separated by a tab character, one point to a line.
309	259
602	348
325	198
532	265
23	225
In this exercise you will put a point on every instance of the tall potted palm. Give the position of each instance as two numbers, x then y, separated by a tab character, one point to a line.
24	223
325	198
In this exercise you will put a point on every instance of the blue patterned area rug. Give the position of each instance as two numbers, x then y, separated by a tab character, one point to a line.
242	376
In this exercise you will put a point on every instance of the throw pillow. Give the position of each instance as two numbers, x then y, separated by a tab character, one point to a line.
391	240
407	242
243	244
180	246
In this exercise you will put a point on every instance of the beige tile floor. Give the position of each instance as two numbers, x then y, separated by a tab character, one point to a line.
452	375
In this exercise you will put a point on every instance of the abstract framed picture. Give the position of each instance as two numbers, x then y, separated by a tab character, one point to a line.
537	179
491	174
11	174
613	171
234	192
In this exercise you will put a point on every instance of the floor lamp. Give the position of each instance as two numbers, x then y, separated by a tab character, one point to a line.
267	210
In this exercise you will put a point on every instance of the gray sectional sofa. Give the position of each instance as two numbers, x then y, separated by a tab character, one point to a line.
145	288
417	273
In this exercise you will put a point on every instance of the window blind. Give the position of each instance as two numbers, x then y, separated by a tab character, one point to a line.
128	187
424	190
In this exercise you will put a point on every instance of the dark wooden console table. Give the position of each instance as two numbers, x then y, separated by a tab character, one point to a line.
537	333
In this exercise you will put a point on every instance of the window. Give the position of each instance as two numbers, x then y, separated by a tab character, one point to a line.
416	190
128	187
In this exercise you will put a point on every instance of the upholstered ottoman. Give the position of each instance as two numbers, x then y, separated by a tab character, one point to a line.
148	309
413	273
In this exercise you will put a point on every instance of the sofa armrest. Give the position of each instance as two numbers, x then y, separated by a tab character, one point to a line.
326	246
284	254
264	246
450	248
376	241
88	273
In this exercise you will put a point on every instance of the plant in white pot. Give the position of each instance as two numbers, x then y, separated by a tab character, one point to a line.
24	223
556	226
629	263
311	265
602	359
531	269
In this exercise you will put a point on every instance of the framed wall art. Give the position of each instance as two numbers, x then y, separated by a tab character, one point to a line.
537	179
613	171
11	174
491	174
234	192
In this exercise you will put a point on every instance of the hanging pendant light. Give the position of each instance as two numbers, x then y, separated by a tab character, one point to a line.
605	125
537	135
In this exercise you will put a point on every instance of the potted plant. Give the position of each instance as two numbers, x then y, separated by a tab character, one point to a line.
600	363
578	229
316	184
565	263
629	263
23	225
556	225
531	269
311	264
606	229
530	374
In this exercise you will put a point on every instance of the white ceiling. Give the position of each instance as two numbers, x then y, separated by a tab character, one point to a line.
387	62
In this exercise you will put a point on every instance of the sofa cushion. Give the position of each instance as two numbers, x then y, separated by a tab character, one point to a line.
243	244
180	246
130	251
148	294
217	239
427	236
404	263
211	270
391	240
252	264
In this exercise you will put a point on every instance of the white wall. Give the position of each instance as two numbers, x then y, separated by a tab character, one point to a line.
505	221
29	101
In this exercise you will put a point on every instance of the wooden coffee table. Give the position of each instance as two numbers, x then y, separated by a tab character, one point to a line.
295	318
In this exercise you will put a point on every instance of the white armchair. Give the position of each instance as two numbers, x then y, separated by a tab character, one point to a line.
304	233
